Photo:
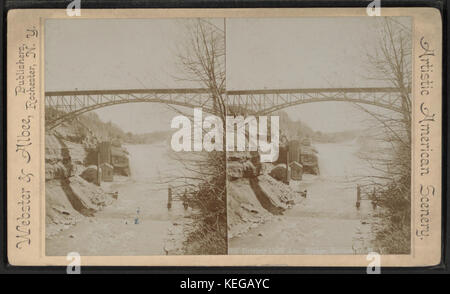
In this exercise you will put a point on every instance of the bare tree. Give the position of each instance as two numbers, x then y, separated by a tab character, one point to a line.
390	63
202	61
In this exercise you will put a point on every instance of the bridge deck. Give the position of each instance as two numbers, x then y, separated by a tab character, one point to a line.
261	101
229	92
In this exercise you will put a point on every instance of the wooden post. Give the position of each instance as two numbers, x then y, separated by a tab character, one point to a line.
287	165
374	199
98	167
287	162
358	196
169	198
185	201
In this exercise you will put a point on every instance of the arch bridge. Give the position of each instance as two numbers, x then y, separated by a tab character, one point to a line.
70	104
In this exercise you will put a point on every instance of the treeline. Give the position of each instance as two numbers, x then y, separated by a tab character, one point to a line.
336	137
296	129
147	138
293	129
90	124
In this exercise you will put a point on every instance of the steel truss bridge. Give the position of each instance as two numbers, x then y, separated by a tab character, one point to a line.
70	104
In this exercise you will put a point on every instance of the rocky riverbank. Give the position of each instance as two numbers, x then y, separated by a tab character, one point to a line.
325	222
69	196
254	196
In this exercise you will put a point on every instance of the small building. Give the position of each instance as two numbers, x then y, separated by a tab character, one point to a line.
296	170
107	172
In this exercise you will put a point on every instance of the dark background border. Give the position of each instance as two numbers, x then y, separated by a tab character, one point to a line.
183	272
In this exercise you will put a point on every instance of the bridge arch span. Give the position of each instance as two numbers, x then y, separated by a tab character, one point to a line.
280	107
250	102
75	103
265	101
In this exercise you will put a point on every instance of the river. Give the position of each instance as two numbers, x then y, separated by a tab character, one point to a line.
142	196
327	221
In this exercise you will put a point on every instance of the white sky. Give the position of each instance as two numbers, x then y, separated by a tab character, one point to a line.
117	54
261	53
304	53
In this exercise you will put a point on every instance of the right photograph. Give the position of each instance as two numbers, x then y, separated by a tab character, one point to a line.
341	90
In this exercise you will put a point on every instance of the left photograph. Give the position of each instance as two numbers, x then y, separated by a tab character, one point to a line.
116	93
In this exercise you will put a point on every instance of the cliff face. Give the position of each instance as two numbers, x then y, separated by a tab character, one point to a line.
63	158
69	198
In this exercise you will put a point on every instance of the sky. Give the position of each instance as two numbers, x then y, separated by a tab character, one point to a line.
304	53
116	54
261	53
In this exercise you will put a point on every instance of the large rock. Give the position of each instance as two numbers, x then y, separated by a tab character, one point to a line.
279	173
54	160
249	170
85	197
282	195
62	158
251	202
90	174
237	170
59	212
244	209
69	200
